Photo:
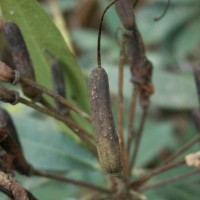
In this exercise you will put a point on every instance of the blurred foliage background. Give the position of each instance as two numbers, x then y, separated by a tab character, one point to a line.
173	46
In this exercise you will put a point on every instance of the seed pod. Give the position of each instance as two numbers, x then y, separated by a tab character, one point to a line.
125	11
8	96
6	120
59	84
103	124
21	57
7	74
10	145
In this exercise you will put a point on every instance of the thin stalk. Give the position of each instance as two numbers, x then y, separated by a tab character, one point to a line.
168	181
46	104
72	181
138	137
56	97
184	148
82	133
132	117
164	12
162	169
120	101
99	34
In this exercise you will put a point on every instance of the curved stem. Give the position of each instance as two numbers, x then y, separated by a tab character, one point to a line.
99	34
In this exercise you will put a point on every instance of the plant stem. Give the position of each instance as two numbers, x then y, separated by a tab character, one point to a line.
124	158
82	133
56	97
132	117
46	104
71	181
159	170
168	181
182	149
138	137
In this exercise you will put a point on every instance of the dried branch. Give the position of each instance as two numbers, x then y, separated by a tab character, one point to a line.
184	148
136	184
13	189
72	181
138	137
168	181
82	133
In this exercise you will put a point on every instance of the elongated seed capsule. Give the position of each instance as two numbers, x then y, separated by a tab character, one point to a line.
6	120
103	124
10	145
125	11
59	84
21	57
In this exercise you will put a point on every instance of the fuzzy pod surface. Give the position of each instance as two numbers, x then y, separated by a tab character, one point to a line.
20	57
105	134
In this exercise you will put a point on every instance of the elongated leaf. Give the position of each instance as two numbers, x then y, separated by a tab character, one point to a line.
41	34
44	146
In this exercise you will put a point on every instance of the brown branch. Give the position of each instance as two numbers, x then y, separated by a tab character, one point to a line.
132	117
72	181
13	189
138	137
56	97
82	133
184	148
120	98
159	170
168	181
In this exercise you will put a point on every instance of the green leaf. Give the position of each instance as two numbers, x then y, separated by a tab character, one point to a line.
41	34
174	91
188	38
156	136
45	147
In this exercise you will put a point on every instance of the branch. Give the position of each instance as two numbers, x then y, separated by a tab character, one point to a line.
138	137
168	181
159	170
56	97
13	189
71	181
184	148
82	133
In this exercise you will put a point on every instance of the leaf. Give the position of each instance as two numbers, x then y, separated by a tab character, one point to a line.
155	137
41	34
188	38
176	16
174	91
45	147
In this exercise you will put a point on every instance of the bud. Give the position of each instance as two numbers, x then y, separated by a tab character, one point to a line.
21	57
8	96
